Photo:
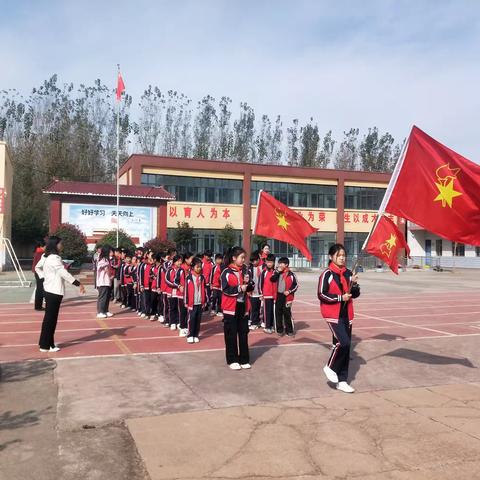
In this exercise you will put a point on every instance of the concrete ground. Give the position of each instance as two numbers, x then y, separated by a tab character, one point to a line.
415	414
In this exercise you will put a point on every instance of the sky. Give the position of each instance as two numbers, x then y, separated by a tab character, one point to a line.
384	63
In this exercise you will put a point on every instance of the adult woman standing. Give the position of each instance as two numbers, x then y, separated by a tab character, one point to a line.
55	275
104	282
235	306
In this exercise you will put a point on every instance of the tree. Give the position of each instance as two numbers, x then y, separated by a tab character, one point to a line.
293	144
149	127
227	237
275	153
183	235
346	158
244	131
326	151
74	242
158	245
224	141
309	144
124	240
205	124
264	140
376	152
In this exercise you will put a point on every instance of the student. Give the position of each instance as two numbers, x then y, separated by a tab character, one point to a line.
207	267
39	295
146	286
235	306
268	290
55	275
104	282
264	252
336	287
195	299
140	269
180	279
255	272
163	318
170	277
216	286
116	265
127	283
287	285
156	296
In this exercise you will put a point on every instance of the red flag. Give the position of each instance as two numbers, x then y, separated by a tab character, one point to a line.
437	189
276	220
385	243
120	86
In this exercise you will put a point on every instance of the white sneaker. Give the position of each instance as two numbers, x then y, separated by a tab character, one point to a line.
219	314
183	332
139	314
161	319
123	306
44	350
245	366
142	315
101	315
173	326
54	349
330	374
263	324
196	339
235	366
109	314
345	387
190	340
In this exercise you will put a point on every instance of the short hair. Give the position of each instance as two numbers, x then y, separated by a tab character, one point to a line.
270	257
158	257
255	256
208	253
218	256
171	251
265	245
52	245
284	260
176	258
196	261
334	249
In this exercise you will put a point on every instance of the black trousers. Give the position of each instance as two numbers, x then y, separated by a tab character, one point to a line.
173	310
147	301
39	293
166	308
103	300
183	313
283	315
52	307
208	296
194	319
268	312
216	300
154	303
256	304
235	329
340	356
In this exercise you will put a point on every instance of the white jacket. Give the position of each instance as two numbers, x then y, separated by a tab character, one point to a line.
52	270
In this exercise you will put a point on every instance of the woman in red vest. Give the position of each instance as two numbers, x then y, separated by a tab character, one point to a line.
337	287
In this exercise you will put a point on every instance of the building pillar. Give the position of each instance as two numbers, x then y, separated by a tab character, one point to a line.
162	221
136	174
247	211
341	210
55	214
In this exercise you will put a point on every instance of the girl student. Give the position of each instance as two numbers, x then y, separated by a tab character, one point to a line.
104	279
235	307
337	287
172	288
195	299
51	268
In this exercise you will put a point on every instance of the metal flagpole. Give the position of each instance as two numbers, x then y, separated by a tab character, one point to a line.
118	157
388	193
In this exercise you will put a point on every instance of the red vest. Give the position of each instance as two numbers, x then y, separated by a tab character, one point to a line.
331	311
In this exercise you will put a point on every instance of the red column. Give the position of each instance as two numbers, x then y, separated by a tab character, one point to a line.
247	211
341	210
162	221
55	213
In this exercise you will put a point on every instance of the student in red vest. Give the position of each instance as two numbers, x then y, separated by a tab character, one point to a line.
146	285
268	289
235	306
255	272
39	294
287	285
180	279
195	299
166	260
172	288
207	267
217	286
264	252
337	287
155	296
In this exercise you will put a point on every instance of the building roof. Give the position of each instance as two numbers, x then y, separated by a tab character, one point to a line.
60	187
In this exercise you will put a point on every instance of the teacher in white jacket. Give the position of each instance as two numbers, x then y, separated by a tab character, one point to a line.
51	268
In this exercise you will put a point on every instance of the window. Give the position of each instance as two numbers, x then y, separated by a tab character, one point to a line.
363	198
458	249
354	243
198	189
477	251
297	194
439	247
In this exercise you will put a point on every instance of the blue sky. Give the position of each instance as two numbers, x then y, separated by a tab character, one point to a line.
344	63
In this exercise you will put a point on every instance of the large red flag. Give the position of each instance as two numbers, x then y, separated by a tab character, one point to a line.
437	189
120	86
386	241
276	220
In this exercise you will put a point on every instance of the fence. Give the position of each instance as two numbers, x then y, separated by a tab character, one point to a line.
444	262
367	262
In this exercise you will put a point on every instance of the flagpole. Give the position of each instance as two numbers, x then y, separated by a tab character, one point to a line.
256	212
388	192
118	158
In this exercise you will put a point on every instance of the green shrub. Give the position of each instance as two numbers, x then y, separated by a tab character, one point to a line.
74	242
158	245
124	240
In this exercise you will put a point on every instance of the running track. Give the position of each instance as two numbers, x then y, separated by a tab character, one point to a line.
379	318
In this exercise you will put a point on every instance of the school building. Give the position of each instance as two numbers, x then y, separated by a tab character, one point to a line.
211	194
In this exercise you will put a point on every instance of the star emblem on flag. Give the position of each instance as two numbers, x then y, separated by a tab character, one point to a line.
446	177
282	220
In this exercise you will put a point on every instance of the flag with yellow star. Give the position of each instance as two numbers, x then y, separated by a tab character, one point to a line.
437	189
276	220
386	242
